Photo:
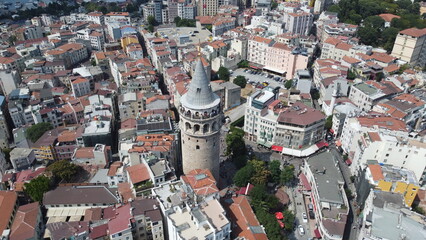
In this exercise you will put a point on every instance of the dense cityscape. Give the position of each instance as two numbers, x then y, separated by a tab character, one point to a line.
213	119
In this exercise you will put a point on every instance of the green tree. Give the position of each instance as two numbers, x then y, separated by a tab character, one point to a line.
261	172
288	84
151	20
235	144
177	20
243	64
12	40
243	176
37	187
374	22
223	73
334	8
274	5
150	28
240	81
288	220
287	175
63	170
368	35
275	169
6	152
37	130
379	76
388	38
351	75
260	198
270	224
329	122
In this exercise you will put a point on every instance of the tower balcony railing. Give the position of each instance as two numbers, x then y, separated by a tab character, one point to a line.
198	115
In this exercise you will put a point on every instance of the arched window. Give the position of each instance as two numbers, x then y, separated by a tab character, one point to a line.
205	128
197	147
187	126
196	128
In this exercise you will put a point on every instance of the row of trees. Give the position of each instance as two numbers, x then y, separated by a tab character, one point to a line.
372	30
259	173
61	171
184	22
56	8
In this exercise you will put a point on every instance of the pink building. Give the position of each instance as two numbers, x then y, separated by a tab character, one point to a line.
279	59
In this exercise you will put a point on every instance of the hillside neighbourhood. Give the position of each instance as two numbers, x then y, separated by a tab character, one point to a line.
213	119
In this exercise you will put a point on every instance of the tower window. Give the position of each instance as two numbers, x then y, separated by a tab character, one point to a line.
197	147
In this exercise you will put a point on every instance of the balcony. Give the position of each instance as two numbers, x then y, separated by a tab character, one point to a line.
197	115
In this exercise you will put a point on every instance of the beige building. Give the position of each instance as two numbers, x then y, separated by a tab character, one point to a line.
207	7
410	46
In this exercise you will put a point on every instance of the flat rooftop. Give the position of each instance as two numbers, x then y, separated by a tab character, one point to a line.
97	127
327	176
174	33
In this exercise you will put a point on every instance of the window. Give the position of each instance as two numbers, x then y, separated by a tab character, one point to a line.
197	147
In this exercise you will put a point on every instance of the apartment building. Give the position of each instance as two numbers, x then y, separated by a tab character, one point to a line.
299	22
269	122
410	46
207	7
367	94
327	195
71	53
257	47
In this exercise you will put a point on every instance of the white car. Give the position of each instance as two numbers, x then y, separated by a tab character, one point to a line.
305	217
301	230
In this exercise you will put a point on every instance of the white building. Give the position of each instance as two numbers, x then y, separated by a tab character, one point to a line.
80	87
22	158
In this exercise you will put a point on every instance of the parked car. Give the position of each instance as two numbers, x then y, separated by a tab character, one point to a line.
301	230
304	217
311	214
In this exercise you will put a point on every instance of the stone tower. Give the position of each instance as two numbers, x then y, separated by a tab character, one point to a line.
200	123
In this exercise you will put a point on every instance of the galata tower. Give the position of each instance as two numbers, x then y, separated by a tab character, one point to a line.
200	123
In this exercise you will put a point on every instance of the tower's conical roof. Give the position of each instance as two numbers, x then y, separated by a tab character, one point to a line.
200	93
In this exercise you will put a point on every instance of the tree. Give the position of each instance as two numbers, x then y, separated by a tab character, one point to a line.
37	130
242	176
351	75
374	22
260	174
287	175
151	20
368	35
243	64
223	73
379	76
235	144
262	199
288	220
275	169
274	5
150	28
329	122
63	170
334	8
37	187
288	84
240	81
177	19
12	40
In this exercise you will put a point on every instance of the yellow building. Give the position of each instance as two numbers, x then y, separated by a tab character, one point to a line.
409	191
44	147
125	41
410	194
410	46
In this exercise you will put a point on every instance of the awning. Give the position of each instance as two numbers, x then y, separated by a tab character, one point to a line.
264	143
277	148
317	233
331	130
322	144
305	182
338	143
254	67
348	161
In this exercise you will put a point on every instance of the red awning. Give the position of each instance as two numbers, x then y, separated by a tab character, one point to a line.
331	130
254	67
305	182
338	143
277	148
317	233
322	144
348	161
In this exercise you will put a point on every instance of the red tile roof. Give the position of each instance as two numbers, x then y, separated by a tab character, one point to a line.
376	172
414	32
383	122
388	17
7	205
138	173
25	222
201	181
